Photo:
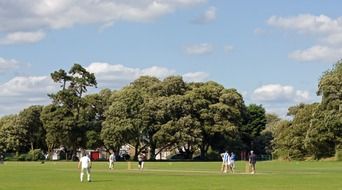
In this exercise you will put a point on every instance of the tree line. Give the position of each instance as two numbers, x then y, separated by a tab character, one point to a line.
196	118
316	129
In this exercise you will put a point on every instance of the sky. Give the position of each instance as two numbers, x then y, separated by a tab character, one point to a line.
272	52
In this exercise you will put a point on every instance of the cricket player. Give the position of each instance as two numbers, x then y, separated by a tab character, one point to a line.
225	162
232	161
141	159
252	161
85	164
111	159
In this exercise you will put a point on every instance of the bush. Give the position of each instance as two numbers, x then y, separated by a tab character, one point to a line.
35	155
178	157
213	155
338	154
22	157
281	154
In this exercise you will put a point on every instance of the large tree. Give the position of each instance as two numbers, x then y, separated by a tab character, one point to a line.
281	140
93	115
57	122
255	122
67	105
123	123
156	111
217	112
264	141
22	132
29	119
12	135
325	133
302	116
172	132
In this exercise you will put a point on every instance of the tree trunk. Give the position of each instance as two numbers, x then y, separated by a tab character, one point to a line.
153	151
203	151
136	151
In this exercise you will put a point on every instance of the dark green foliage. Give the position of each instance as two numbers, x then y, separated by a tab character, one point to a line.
35	155
254	123
65	121
325	132
29	119
338	154
171	114
315	130
13	137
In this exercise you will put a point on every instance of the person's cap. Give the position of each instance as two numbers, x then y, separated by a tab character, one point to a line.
251	151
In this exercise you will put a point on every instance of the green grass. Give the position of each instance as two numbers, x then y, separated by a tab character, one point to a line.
274	175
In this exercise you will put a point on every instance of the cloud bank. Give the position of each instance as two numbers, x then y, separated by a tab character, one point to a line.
207	17
8	64
25	21
327	32
199	49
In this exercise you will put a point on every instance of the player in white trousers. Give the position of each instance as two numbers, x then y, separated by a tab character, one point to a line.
111	159
141	159
85	164
225	162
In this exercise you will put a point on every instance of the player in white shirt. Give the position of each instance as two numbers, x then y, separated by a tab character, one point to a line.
141	159
225	162
111	159
85	164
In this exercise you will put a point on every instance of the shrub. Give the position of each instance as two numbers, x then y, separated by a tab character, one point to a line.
21	157
35	155
338	154
213	155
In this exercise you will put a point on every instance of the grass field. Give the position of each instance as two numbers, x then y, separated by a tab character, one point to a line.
271	175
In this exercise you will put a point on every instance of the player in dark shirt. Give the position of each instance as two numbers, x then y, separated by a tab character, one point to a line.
252	161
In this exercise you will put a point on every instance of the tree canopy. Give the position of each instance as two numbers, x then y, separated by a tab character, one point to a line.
170	114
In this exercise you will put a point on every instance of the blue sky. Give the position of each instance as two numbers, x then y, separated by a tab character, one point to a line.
272	52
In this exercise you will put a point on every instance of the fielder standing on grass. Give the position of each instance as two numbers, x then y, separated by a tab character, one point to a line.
85	164
252	161
225	162
232	161
111	159
141	159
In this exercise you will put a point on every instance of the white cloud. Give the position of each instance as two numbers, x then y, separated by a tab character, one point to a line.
317	53
207	17
277	98
21	92
326	30
228	48
22	37
308	23
112	73
196	77
277	93
117	76
199	49
26	86
259	31
280	111
156	71
8	64
29	16
333	39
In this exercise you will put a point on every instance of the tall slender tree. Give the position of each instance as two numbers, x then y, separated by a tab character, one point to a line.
67	104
